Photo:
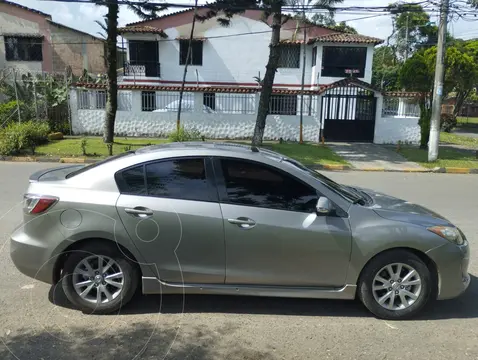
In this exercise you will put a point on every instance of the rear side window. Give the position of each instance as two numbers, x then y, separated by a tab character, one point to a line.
178	179
183	179
132	181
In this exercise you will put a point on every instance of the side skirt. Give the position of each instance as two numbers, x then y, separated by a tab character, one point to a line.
152	285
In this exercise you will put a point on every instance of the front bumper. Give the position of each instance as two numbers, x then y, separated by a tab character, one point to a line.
452	263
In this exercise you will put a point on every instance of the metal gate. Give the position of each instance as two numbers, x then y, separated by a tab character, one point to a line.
348	114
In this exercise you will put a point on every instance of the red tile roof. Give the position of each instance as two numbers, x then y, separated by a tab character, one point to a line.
403	94
216	89
141	30
346	38
346	82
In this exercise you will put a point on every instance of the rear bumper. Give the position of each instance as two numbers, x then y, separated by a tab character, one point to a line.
452	264
32	257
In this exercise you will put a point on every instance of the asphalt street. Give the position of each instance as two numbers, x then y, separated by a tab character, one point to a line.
37	323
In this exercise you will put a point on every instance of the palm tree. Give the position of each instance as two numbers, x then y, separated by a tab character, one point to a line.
271	9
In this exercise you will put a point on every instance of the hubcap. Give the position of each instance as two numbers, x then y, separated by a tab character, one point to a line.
396	286
98	279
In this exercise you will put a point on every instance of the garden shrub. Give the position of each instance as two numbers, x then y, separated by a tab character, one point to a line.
183	135
447	122
55	136
16	138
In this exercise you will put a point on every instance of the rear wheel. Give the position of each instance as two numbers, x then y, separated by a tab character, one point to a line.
99	279
396	285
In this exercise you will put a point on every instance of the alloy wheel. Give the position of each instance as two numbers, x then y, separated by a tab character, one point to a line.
98	279
396	286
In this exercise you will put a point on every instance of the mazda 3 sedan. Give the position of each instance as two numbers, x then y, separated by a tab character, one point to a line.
210	218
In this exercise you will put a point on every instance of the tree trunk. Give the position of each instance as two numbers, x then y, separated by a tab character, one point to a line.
460	100
112	83
424	122
268	80
188	56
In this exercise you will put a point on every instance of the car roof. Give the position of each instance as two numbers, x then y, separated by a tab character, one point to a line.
217	148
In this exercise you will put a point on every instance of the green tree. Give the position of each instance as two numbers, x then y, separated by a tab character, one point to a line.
145	11
417	74
413	29
273	10
385	67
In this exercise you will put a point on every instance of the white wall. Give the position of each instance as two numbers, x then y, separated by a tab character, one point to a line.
238	59
212	126
391	130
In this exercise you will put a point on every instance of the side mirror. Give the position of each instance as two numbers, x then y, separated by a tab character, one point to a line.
324	206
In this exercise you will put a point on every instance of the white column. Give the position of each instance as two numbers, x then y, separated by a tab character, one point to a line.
198	101
136	101
378	116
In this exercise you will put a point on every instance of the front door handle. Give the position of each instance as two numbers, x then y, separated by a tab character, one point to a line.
243	222
139	211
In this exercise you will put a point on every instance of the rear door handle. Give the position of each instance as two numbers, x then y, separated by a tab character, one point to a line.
139	211
243	222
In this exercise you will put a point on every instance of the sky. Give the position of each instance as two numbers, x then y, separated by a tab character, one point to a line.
82	17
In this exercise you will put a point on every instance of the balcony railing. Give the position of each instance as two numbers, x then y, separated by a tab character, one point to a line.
142	68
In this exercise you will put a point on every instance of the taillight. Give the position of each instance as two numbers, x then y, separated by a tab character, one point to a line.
37	204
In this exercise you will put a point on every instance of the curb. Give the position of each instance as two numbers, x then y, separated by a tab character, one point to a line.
330	167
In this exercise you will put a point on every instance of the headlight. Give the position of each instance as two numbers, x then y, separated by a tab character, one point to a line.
447	232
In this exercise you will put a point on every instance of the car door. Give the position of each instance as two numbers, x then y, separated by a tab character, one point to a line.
170	209
273	233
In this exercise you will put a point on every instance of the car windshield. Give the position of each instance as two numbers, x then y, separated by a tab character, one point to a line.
342	190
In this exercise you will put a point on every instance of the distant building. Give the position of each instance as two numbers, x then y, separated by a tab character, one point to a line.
31	41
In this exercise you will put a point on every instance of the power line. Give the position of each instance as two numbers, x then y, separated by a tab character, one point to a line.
216	36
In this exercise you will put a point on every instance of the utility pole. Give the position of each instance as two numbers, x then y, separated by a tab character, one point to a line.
438	85
301	138
406	40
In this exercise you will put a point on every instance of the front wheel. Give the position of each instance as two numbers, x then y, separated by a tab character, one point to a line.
396	285
99	279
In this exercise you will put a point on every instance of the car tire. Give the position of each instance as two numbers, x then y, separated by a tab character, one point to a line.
370	292
71	275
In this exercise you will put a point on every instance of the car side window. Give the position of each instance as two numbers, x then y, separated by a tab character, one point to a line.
252	184
132	181
178	179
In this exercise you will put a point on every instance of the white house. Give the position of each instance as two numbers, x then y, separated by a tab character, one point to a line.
222	92
236	54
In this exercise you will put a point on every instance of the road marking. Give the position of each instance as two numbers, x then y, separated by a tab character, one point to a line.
29	286
390	326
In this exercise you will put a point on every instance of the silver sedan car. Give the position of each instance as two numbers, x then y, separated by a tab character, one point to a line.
209	218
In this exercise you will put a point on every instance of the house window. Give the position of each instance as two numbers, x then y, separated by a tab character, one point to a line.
337	59
23	48
289	56
314	56
148	100
195	58
283	105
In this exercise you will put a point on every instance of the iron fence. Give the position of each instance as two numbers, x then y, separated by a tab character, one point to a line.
229	103
400	107
35	95
166	101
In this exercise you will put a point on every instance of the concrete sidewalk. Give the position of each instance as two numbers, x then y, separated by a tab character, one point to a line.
366	156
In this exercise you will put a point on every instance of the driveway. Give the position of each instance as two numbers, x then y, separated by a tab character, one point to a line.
366	156
37	323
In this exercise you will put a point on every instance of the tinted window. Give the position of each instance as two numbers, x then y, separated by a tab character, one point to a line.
132	181
178	179
257	185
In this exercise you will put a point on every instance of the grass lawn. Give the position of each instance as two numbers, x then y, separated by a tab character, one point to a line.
309	154
447	158
459	139
94	147
467	120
